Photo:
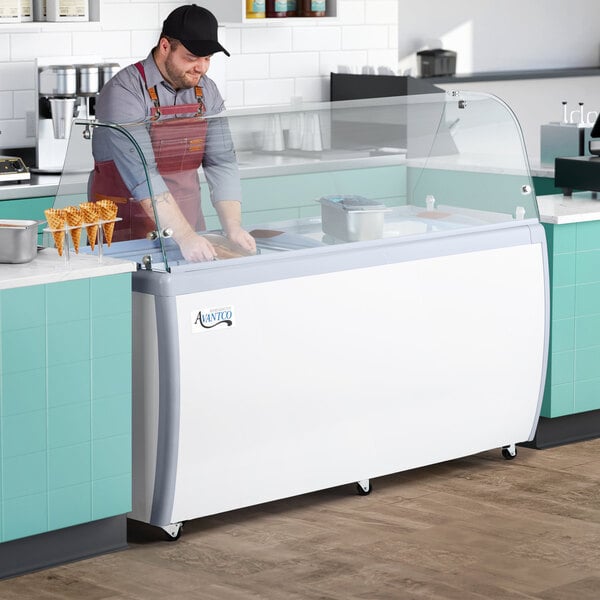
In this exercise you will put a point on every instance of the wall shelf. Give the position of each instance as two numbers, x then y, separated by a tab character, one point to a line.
234	12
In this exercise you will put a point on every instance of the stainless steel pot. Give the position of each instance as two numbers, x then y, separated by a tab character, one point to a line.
88	80
58	80
352	218
108	70
18	240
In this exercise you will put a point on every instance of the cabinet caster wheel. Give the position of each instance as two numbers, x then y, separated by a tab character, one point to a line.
509	452
173	531
363	487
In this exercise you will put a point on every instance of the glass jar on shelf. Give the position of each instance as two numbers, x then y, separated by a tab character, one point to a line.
255	9
276	8
313	8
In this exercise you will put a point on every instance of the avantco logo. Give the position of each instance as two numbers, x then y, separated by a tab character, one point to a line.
211	318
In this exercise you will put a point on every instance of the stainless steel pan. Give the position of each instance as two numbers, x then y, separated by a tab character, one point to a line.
18	240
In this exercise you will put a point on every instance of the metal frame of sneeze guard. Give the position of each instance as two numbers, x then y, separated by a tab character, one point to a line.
437	164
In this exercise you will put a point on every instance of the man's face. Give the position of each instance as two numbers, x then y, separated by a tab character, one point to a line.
184	69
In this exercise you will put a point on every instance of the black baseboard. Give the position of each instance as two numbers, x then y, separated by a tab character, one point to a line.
565	430
63	545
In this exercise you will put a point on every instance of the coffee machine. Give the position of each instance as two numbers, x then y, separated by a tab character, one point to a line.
64	92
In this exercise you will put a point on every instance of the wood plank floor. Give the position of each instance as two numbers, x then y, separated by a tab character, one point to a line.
479	527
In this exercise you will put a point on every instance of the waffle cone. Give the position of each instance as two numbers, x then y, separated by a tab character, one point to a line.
56	219
90	214
74	218
108	211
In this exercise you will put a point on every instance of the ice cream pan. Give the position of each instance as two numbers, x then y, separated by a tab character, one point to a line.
352	218
18	240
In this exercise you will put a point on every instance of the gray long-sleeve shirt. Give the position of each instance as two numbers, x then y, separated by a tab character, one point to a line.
125	99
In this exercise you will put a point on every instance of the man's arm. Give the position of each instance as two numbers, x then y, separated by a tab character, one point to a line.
230	216
192	246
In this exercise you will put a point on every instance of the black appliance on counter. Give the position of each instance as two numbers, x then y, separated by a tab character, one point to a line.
580	172
389	129
343	86
436	62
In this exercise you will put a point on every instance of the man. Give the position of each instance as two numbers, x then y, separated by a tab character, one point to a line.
170	91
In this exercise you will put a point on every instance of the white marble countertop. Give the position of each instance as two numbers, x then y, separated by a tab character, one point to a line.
49	267
559	209
539	169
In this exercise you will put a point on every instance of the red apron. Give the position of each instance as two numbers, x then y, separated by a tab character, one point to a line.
178	146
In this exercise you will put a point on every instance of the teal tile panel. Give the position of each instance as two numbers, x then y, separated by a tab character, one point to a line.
587	363
562	302
587	395
69	506
111	456
587	331
69	466
588	236
562	367
587	265
558	400
31	208
111	416
274	193
111	376
25	516
563	270
306	212
23	433
563	335
23	350
23	308
111	496
68	342
111	334
24	475
68	425
70	383
68	301
564	238
549	231
587	299
110	295
24	391
461	188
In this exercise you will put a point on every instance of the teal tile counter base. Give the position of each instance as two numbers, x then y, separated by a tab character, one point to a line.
65	411
571	405
63	545
565	430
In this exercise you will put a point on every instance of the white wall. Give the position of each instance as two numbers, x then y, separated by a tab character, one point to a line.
494	36
270	62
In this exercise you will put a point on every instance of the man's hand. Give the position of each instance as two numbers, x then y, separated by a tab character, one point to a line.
229	212
193	247
196	248
242	238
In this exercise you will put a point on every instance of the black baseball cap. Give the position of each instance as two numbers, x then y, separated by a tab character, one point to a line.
196	28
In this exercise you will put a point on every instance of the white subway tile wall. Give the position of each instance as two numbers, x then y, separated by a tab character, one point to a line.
271	61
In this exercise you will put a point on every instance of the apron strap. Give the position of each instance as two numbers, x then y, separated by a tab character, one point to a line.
154	94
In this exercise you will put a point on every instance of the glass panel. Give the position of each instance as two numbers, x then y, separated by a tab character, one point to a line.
308	176
86	184
473	163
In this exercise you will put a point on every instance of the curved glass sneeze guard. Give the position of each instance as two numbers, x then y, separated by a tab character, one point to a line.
308	175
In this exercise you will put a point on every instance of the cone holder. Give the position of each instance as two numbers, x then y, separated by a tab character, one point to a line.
99	236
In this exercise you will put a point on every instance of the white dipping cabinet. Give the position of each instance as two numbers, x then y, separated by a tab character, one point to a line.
319	362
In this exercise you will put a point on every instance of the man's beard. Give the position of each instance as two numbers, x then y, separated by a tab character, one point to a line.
179	80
